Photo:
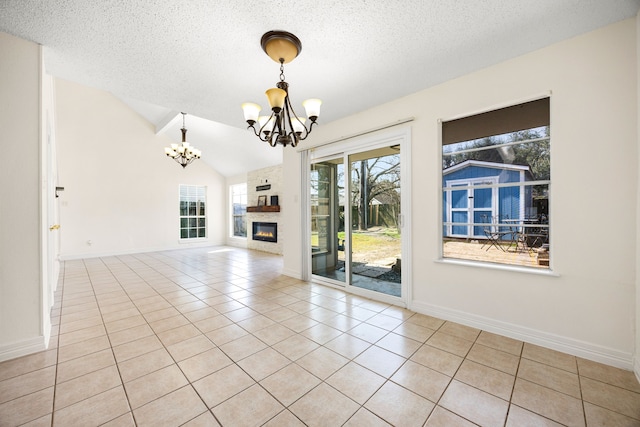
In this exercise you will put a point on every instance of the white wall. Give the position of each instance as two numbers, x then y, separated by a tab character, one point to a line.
21	328
588	307
121	191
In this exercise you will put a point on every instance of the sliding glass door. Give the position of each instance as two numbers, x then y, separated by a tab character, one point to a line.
356	228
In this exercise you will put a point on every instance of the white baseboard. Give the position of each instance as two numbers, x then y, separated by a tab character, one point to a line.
70	257
23	348
636	367
292	273
586	350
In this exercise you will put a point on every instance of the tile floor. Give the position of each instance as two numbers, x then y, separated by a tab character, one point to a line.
217	336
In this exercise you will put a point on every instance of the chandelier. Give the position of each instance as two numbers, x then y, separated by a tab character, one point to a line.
183	153
283	126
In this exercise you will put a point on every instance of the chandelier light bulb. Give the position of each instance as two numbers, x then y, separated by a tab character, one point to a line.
183	153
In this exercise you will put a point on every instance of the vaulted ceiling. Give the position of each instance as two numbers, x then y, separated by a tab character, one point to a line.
204	57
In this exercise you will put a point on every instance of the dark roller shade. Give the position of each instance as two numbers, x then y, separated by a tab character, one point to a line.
505	120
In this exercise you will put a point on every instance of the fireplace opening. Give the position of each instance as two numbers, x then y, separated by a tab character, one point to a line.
265	231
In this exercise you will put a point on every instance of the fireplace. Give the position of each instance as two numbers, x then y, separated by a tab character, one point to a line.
265	231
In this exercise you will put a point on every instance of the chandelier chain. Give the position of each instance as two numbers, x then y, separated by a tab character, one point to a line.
281	71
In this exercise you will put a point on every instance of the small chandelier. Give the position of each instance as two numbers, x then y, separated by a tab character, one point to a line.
183	153
283	126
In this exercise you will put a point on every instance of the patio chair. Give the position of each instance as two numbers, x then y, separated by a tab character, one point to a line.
493	234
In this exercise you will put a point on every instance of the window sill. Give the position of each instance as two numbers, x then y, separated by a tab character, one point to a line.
503	267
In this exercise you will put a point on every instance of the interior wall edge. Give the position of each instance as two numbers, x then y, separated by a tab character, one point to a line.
23	348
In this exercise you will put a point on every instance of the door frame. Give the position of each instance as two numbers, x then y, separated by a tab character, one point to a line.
389	137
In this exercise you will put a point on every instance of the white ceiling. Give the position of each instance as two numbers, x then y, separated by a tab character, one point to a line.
204	56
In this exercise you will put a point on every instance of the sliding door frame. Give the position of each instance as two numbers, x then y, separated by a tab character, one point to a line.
385	138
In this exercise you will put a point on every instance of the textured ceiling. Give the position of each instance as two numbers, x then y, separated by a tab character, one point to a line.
204	56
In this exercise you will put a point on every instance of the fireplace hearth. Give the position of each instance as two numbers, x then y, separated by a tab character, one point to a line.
265	231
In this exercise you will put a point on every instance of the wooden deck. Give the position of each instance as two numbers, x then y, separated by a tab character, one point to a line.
474	251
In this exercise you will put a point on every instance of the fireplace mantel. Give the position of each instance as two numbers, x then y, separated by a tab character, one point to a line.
258	209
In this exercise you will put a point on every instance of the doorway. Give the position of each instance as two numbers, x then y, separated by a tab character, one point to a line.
356	230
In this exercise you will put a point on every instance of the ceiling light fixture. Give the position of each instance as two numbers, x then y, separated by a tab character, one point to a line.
283	126
183	153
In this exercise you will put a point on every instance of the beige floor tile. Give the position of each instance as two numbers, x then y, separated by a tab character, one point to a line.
66	326
550	377
190	347
348	345
253	406
368	333
273	334
164	313
120	315
324	406
597	416
548	403
322	362
242	347
284	419
437	359
201	314
614	398
212	323
356	382
421	380
126	323
28	383
22	365
27	408
281	314
521	417
136	348
289	384
501	343
173	409
226	334
493	358
81	335
474	405
96	410
341	322
154	385
399	406
441	417
321	333
83	348
169	323
414	332
221	385
203	364
609	374
295	347
487	379
263	363
365	418
384	321
178	334
460	331
44	421
299	323
380	361
398	344
450	343
125	420
131	334
550	357
128	305
144	364
426	321
203	420
86	386
256	323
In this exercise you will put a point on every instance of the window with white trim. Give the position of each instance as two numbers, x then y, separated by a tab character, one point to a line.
238	210
496	177
193	219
